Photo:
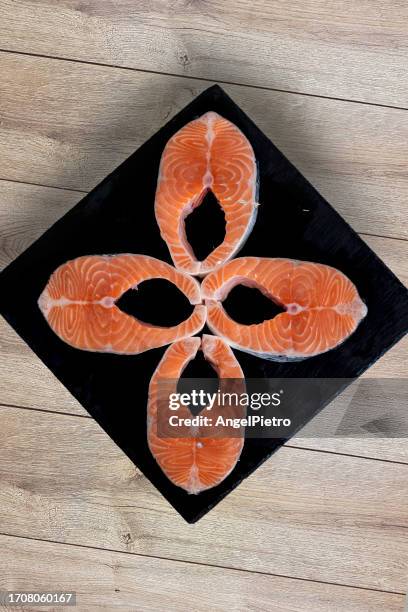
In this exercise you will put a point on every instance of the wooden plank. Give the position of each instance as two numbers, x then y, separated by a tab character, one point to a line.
25	381
353	153
388	449
359	405
346	49
104	580
305	514
26	211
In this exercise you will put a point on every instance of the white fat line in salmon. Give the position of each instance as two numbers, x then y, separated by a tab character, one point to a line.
207	400
47	302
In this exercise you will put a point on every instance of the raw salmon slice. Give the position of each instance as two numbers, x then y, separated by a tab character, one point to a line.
79	303
322	307
200	459
209	153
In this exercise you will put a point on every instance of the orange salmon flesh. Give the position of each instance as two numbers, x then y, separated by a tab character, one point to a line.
209	153
194	463
322	307
79	304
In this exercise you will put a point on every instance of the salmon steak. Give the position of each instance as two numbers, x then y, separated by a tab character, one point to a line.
321	307
207	154
79	304
202	457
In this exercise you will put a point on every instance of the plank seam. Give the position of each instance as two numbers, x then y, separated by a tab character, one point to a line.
328	452
7	180
172	559
203	79
45	410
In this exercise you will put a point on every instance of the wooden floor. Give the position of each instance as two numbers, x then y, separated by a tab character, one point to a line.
323	525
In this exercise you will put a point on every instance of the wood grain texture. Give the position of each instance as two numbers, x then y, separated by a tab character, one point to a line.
305	514
104	580
346	49
360	406
26	212
354	154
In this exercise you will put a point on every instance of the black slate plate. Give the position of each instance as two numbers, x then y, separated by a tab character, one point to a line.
294	221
